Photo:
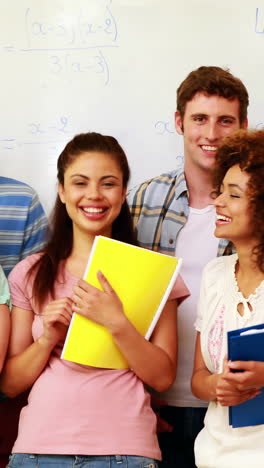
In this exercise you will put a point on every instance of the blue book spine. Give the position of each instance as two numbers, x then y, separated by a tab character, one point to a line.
248	347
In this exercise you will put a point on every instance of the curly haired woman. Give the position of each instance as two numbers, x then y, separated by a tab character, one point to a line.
232	297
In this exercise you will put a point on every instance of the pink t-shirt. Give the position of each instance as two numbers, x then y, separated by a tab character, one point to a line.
80	410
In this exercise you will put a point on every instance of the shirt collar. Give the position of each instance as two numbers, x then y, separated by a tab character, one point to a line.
181	186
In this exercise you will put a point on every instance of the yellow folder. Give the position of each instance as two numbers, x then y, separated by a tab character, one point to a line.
143	280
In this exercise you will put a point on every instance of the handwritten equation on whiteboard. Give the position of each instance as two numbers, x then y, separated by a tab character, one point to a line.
49	134
73	39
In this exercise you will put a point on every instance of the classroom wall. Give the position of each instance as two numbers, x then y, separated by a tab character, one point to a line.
113	66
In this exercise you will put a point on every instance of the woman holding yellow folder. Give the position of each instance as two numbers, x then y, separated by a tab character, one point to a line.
78	415
232	297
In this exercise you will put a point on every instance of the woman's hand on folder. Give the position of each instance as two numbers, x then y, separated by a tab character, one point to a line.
252	376
217	387
154	361
103	307
229	392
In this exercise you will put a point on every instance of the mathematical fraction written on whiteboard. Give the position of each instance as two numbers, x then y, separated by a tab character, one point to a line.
71	41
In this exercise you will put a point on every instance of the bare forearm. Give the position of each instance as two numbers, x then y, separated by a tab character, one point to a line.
220	388
204	385
21	370
149	362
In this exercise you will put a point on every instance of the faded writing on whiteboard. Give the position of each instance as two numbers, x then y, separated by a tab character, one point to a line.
61	125
40	133
259	23
162	127
71	39
91	25
90	61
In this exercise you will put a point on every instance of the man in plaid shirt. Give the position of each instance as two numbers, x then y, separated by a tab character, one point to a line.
173	214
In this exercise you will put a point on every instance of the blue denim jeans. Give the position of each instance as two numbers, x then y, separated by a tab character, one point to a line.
28	460
177	446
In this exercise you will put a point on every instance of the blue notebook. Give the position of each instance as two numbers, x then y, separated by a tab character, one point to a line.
247	347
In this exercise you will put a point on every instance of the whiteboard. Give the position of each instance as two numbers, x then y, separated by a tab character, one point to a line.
113	66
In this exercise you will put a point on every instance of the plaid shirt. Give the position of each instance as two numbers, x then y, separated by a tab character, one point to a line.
160	208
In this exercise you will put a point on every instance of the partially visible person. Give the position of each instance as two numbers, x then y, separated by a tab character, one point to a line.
174	214
23	223
5	304
232	297
23	227
80	414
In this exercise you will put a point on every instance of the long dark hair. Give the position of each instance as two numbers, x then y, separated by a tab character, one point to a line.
60	242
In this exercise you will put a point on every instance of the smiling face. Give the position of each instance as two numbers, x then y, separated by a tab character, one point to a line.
233	213
206	121
93	193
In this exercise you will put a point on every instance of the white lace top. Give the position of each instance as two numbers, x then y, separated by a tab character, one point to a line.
219	445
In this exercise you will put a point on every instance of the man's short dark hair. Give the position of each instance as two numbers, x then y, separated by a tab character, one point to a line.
213	81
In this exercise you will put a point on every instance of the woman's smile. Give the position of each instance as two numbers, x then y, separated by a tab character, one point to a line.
93	212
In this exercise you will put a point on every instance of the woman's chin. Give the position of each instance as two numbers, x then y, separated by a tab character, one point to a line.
220	233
